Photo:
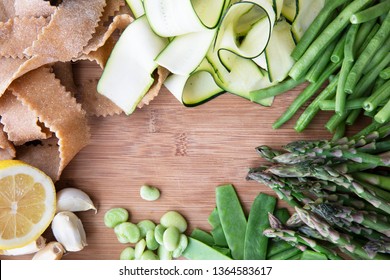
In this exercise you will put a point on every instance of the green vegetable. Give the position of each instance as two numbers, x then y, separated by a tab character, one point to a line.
202	236
159	233
174	219
145	226
127	254
385	73
370	13
115	216
233	219
149	193
256	243
219	236
148	256
163	253
127	232
311	255
139	249
171	238
151	242
284	255
197	250
183	243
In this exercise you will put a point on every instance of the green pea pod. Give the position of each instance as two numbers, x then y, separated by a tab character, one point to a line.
233	219
256	243
197	250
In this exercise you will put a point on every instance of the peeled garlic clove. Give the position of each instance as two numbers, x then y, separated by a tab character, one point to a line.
52	251
69	231
73	200
30	248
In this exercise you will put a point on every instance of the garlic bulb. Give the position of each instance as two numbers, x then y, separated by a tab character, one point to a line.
73	200
52	251
69	231
30	248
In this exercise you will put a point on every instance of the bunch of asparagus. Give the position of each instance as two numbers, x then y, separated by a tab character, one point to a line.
340	190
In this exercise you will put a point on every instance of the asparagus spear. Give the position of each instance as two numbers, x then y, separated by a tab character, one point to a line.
340	239
329	174
296	239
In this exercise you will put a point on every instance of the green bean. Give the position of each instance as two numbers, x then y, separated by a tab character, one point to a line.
127	232
115	216
314	106
375	99
151	242
383	116
203	236
163	253
149	193
183	243
286	85
144	226
385	74
334	122
370	13
338	51
311	255
139	249
255	242
305	95
364	30
368	38
159	233
148	256
378	56
324	38
197	250
315	28
171	238
127	254
345	68
318	68
339	132
284	255
376	42
233	219
330	105
174	219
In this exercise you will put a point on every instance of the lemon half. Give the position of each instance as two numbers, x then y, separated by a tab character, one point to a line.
27	203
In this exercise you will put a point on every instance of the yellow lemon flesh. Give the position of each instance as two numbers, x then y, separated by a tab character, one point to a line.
27	203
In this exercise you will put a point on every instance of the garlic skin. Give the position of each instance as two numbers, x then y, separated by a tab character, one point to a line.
30	248
69	231
52	251
73	200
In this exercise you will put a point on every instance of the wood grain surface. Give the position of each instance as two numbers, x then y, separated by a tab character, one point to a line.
185	152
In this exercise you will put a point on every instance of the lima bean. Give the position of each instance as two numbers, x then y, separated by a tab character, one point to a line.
149	193
127	254
139	249
115	216
183	243
127	231
151	242
174	219
163	253
171	238
148	256
158	233
144	226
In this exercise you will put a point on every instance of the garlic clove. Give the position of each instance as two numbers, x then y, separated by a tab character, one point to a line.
30	248
74	200
52	251
69	231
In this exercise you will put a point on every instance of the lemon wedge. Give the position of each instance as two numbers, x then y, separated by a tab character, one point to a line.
27	203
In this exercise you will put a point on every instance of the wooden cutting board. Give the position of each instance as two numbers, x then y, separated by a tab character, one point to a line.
185	152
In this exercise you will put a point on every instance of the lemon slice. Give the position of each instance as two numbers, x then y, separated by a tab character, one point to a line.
27	203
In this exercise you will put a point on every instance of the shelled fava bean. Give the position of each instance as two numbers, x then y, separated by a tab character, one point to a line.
149	241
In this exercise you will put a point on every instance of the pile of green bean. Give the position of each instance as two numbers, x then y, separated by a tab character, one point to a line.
163	241
344	58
